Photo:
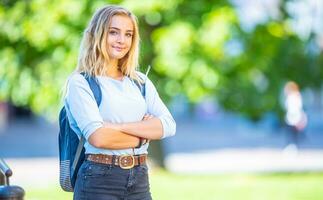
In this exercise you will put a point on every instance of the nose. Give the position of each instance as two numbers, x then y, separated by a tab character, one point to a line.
120	38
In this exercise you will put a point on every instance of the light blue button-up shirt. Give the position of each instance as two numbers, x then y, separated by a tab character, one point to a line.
122	102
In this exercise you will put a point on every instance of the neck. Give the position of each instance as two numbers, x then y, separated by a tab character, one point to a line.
112	69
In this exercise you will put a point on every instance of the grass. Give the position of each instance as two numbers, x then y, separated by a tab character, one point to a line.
169	186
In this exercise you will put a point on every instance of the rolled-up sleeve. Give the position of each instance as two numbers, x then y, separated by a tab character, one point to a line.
81	106
157	108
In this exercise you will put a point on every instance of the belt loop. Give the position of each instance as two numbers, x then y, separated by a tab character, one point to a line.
113	159
138	159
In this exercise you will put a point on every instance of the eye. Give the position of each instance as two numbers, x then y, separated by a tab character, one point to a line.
128	34
113	32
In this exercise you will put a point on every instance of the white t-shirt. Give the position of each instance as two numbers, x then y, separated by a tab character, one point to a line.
121	102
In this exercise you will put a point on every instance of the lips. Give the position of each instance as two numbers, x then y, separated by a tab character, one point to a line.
118	48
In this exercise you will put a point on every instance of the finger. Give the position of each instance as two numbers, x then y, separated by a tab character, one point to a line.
145	141
150	117
145	117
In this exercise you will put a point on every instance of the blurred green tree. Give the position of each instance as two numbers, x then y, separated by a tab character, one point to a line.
196	48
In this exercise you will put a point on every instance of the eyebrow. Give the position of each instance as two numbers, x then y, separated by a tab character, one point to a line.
119	29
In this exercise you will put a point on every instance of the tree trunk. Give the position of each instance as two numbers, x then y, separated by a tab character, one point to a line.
156	153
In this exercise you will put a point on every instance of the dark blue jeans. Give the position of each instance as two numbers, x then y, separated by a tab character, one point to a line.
97	181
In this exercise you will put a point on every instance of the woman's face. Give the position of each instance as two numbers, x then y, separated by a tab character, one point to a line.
120	35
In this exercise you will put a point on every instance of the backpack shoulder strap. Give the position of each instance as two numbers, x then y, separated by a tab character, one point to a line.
78	153
142	87
95	87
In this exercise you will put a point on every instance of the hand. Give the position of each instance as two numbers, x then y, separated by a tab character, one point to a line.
144	141
147	117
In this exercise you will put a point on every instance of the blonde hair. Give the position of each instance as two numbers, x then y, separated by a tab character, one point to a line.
93	57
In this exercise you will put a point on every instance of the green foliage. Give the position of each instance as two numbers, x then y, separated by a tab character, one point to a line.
188	43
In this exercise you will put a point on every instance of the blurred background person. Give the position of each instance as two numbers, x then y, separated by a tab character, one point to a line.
295	116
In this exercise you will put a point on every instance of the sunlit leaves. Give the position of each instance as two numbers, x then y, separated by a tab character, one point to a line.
146	6
197	49
9	71
10	21
40	41
172	45
215	30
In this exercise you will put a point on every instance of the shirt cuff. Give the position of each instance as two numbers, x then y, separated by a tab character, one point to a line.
90	129
169	126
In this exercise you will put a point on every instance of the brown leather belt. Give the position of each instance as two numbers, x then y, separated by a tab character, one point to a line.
123	161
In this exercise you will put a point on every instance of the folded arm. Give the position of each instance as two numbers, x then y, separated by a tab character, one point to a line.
108	138
115	136
151	128
160	123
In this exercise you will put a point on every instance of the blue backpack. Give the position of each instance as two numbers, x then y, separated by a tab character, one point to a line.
71	147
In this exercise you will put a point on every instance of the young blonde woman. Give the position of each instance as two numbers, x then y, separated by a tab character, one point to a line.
119	130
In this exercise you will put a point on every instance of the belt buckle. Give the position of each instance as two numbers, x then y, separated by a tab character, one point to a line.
126	161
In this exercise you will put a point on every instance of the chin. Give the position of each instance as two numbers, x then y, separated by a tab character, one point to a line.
117	56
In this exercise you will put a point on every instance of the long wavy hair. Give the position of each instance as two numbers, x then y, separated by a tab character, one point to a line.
93	56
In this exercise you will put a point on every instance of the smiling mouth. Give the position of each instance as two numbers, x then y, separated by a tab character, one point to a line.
118	48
